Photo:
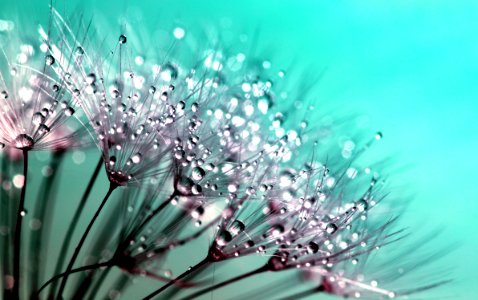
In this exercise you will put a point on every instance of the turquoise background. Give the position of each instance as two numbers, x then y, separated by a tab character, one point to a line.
410	66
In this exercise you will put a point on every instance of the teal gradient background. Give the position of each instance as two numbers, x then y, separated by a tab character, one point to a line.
410	66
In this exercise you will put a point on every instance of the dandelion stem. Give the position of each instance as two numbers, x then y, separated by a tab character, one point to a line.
18	231
227	282
74	222
80	269
83	238
170	283
41	213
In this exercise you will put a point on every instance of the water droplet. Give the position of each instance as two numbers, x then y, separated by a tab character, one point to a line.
277	230
378	135
312	248
43	129
184	185
237	227
198	212
136	159
112	161
331	228
362	205
79	51
122	39
196	189
91	79
49	60
3	95
38	118
169	72
223	238
2	145
198	173
69	111
23	142
115	94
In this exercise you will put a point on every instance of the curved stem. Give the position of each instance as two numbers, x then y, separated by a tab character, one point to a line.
226	282
85	268
18	231
170	283
83	238
74	222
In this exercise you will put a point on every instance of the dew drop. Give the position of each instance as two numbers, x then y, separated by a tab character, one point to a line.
79	51
112	161
69	111
38	118
122	39
196	189
331	228
378	135
198	212
43	129
136	159
237	227
277	230
198	173
184	185
91	79
23	142
223	238
312	248
49	60
3	95
169	72
362	205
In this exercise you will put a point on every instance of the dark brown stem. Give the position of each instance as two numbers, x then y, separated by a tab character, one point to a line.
85	268
18	231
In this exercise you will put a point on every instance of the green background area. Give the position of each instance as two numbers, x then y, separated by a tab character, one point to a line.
410	66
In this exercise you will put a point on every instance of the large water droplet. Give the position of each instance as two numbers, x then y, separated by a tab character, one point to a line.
237	227
198	173
23	142
312	248
184	185
223	238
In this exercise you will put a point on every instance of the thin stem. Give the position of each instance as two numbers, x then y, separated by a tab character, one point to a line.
226	282
146	221
80	269
42	213
83	238
170	283
18	231
74	222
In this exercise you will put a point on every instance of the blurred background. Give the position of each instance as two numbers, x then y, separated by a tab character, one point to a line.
409	68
